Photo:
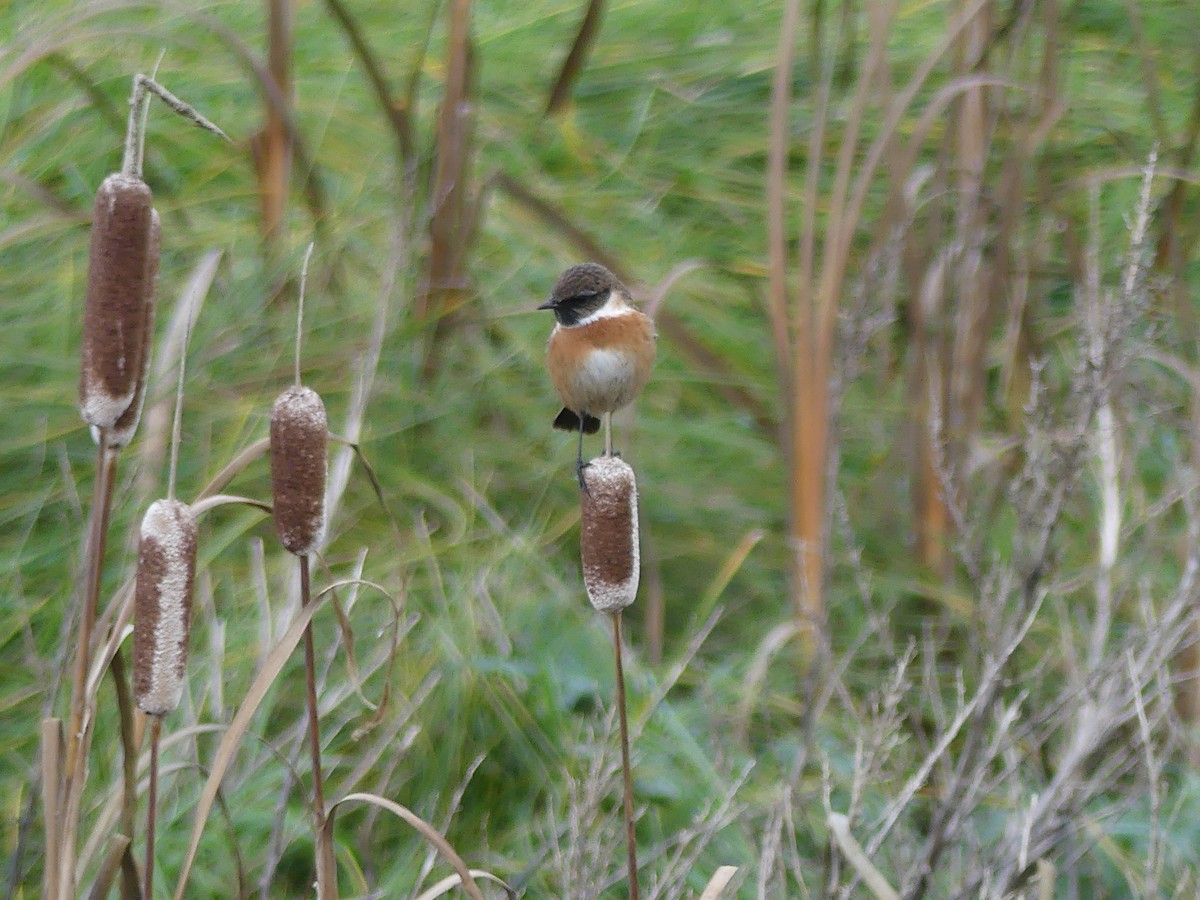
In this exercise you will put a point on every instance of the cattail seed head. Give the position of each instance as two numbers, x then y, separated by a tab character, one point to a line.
608	537
114	316
299	434
166	574
125	427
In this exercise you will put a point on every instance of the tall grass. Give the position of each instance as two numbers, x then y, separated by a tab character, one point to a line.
993	711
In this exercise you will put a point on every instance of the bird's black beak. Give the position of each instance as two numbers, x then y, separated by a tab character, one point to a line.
549	304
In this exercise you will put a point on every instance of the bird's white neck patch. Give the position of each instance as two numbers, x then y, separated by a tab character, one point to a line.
614	306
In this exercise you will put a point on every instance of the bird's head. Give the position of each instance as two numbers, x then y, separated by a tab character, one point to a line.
583	291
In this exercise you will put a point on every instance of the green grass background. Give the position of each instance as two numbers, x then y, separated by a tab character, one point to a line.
661	160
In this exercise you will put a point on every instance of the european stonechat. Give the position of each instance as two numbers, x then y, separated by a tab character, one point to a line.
600	352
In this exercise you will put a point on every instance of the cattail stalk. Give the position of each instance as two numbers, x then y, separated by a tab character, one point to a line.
166	578
151	807
80	723
626	765
611	569
93	567
299	463
111	364
117	325
52	780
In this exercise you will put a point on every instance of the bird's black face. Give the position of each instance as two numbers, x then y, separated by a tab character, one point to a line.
581	291
574	309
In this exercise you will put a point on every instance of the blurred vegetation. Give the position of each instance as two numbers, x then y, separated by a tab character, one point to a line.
502	681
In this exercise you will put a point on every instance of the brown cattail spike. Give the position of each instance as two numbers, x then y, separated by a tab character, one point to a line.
299	433
114	317
125	427
162	616
609	534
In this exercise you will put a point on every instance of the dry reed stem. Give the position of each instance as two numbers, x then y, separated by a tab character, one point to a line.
130	742
608	541
717	884
82	699
267	677
839	827
423	828
271	146
398	113
446	285
52	782
152	806
576	59
299	463
109	866
626	764
326	866
810	323
157	419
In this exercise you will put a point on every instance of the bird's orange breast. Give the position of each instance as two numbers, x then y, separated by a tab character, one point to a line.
603	365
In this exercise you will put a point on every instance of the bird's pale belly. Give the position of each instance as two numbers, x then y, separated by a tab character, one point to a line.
606	381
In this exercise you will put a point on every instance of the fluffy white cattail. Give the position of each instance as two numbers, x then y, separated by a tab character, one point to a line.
125	427
299	435
114	316
608	538
166	574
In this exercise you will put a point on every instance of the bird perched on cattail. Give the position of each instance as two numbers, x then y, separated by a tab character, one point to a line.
600	352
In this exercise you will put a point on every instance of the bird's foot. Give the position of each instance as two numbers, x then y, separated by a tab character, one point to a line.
580	465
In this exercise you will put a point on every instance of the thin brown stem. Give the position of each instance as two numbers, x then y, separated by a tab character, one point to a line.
76	756
114	858
300	308
397	114
324	860
52	760
177	421
94	563
272	149
129	752
572	66
627	769
151	806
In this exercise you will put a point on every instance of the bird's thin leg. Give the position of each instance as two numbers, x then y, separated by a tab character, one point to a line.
608	450
579	464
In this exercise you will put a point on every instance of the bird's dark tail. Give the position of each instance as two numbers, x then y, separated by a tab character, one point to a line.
568	420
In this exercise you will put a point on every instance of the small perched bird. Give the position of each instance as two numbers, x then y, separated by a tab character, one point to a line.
600	352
